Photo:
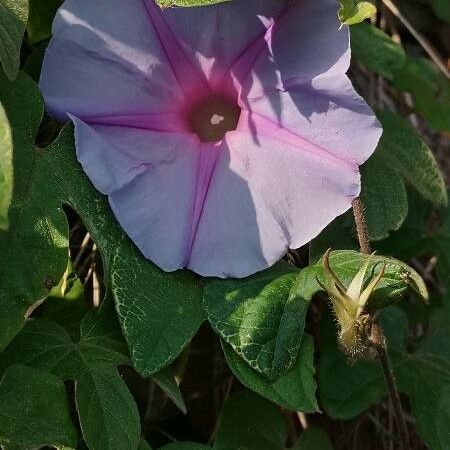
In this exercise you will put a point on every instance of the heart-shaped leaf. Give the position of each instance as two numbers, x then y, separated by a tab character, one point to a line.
34	411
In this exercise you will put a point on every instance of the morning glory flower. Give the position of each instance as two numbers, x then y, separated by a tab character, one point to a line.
222	135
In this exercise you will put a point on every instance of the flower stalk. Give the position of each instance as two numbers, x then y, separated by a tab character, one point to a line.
377	338
349	305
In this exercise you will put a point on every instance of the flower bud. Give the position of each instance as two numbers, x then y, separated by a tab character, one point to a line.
349	305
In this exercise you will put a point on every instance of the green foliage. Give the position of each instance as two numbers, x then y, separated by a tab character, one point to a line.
408	154
401	156
313	438
240	310
376	50
165	312
247	421
396	281
295	389
355	11
41	18
384	197
143	445
108	415
347	389
185	446
430	90
416	238
13	18
166	381
442	9
261	317
61	362
6	168
46	179
34	411
38	229
250	422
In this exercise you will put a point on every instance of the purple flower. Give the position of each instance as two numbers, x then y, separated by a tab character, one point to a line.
222	135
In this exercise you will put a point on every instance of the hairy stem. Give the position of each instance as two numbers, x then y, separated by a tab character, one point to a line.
393	391
377	336
361	227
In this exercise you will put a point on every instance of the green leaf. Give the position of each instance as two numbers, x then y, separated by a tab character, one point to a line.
430	397
13	18
185	446
384	197
166	381
250	422
355	11
426	381
295	389
429	87
6	168
430	90
42	13
347	390
417	237
408	154
441	9
401	156
159	312
35	247
398	277
143	445
262	317
313	438
68	308
34	411
375	50
107	412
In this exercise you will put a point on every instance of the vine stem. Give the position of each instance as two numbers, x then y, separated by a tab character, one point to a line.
377	335
361	227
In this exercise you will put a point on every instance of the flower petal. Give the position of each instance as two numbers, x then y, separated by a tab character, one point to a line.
267	194
271	39
306	42
105	58
325	111
151	179
223	32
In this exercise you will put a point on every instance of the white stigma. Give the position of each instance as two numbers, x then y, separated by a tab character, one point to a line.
216	119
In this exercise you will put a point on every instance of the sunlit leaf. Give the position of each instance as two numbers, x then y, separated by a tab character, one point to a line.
6	168
262	317
159	312
355	11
